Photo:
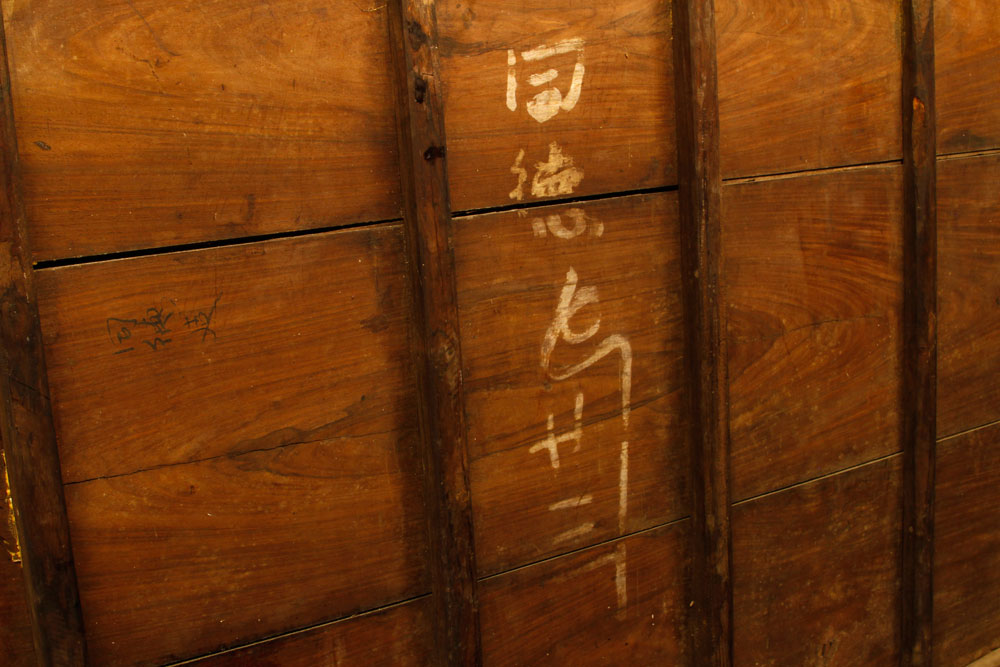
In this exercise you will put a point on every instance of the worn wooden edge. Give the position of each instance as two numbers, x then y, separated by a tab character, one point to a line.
700	203
919	353
435	344
991	659
28	432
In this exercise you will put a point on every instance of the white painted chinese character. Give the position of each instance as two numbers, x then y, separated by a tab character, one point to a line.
547	103
557	176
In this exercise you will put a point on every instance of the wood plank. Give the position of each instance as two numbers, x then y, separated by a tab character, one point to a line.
533	499
396	636
189	559
617	603
813	270
919	366
967	549
700	204
807	84
148	123
968	74
15	631
816	571
256	346
969	294
617	127
32	481
991	659
285	376
435	348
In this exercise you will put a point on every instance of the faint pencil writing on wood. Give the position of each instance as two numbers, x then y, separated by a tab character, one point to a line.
158	326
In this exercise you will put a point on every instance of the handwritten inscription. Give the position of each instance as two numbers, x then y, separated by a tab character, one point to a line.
545	104
553	224
556	176
158	326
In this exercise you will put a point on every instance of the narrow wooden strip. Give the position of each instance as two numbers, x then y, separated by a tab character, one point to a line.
700	191
919	418
435	342
988	660
27	429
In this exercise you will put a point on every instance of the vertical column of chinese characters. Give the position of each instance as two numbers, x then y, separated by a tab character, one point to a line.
557	176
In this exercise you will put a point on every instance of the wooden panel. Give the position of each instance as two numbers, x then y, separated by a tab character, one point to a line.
807	83
283	376
967	550
813	288
815	571
619	603
967	59
396	636
616	127
16	647
532	497
969	293
148	123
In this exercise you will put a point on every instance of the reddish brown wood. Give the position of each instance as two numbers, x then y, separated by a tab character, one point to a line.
813	298
967	74
627	253
258	471
806	84
700	195
620	603
919	378
967	547
436	349
147	123
816	571
15	631
26	427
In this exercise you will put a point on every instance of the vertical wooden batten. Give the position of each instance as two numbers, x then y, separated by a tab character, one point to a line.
919	386
700	197
28	432
436	349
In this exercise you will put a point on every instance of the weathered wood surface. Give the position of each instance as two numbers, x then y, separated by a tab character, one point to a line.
967	548
969	294
257	472
807	84
396	636
617	127
617	603
435	348
919	331
967	74
813	270
145	123
532	500
15	629
32	484
816	571
700	202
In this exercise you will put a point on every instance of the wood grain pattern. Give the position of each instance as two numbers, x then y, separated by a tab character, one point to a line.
919	353
27	433
568	611
700	202
813	270
807	84
435	348
15	631
968	74
149	123
967	549
816	571
510	282
397	636
969	294
620	132
290	394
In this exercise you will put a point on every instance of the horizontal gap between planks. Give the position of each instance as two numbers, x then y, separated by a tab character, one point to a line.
968	431
819	478
964	155
777	176
563	202
203	245
292	633
603	543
